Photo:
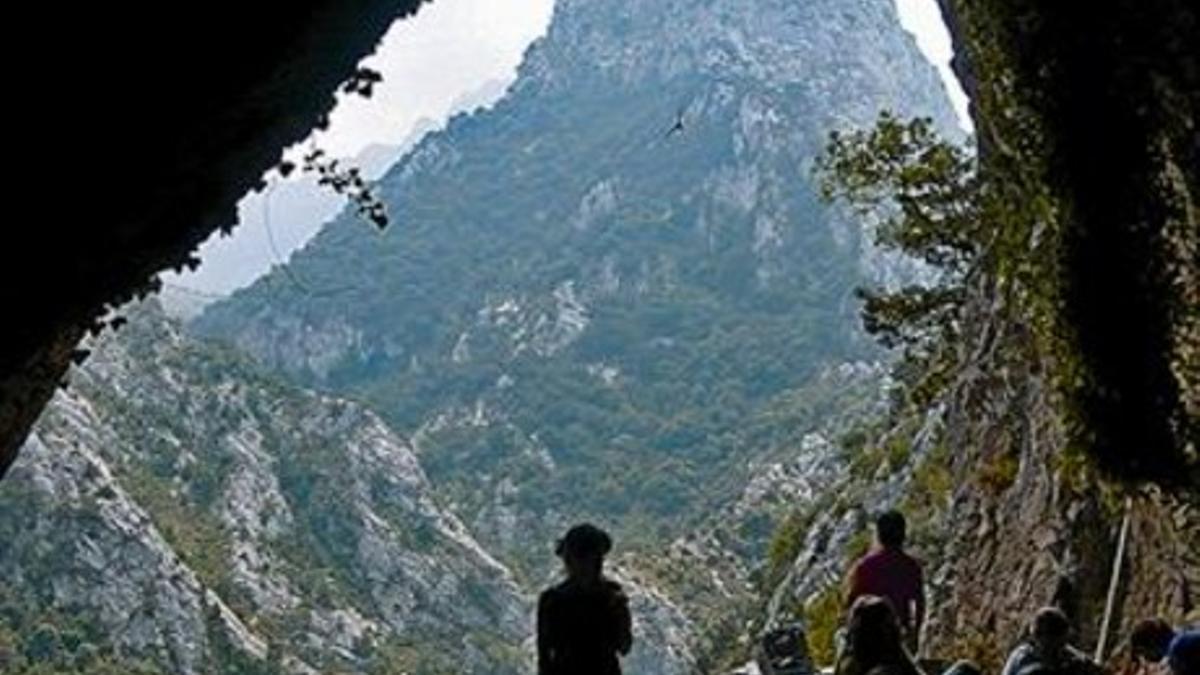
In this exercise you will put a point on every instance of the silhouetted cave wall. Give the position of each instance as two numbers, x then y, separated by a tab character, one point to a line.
1113	90
148	121
1091	107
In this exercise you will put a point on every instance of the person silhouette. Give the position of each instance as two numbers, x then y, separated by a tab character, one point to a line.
583	623
1169	651
1149	642
874	641
1047	649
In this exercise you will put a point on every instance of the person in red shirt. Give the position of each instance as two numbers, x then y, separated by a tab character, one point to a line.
890	573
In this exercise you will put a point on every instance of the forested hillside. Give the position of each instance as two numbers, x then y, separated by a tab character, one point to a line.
588	292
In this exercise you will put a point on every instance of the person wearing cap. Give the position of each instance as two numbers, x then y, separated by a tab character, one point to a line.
1155	642
583	623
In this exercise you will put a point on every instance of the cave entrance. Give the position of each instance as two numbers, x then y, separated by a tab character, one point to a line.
278	518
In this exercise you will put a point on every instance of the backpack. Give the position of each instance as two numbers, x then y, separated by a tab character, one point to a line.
784	651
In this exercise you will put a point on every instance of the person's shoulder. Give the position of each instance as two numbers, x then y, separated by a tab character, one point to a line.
1185	647
1187	635
614	589
1023	648
1021	658
867	559
1019	655
552	593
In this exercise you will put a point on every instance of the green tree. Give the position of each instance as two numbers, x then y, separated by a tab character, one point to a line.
928	201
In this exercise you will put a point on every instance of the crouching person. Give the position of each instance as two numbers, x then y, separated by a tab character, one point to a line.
1047	649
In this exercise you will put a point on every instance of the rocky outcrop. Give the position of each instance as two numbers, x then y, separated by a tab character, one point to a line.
1006	515
76	541
1032	511
1060	428
188	509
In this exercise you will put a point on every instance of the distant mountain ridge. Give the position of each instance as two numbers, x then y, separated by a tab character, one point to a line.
272	224
577	302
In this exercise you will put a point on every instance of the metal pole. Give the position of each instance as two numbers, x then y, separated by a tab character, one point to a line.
1113	584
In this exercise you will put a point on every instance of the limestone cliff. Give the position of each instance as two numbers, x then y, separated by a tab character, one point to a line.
175	507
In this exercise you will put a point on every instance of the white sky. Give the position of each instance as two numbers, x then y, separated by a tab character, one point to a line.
453	47
923	19
449	50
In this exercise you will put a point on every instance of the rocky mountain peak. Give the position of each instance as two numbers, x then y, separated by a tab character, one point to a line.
811	45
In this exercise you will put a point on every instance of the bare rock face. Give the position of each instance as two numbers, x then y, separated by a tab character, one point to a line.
88	549
1030	525
1006	516
195	515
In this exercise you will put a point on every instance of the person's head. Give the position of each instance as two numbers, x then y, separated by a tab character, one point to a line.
890	529
1183	656
1150	639
583	549
873	634
1050	631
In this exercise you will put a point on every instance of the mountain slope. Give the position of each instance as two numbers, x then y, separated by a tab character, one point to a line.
588	287
176	507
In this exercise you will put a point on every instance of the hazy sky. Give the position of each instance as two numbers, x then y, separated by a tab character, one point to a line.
449	50
923	19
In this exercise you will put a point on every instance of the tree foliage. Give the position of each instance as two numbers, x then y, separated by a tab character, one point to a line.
926	200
